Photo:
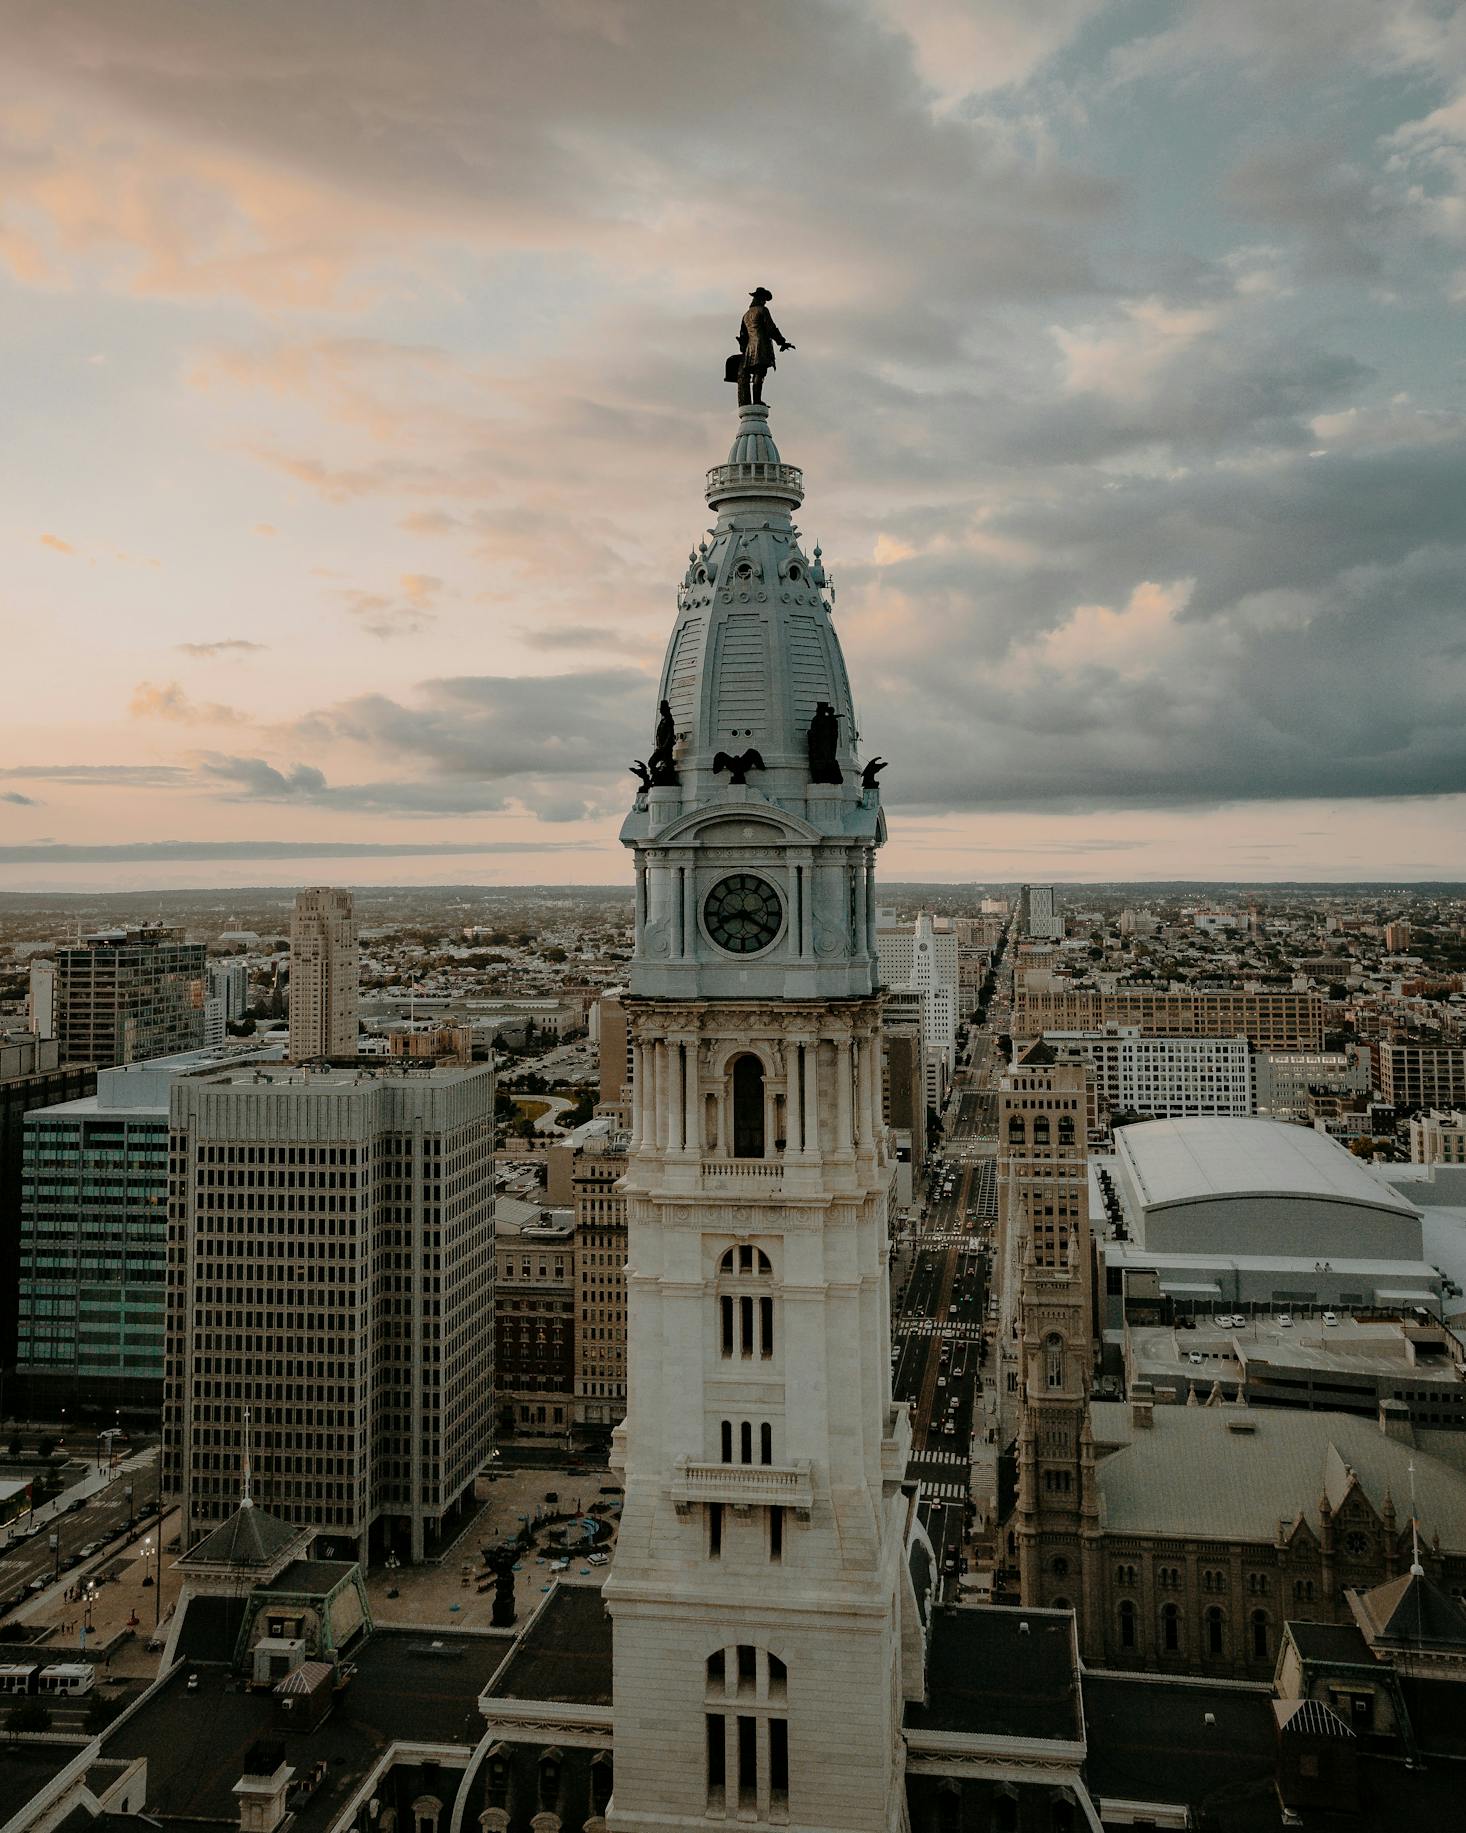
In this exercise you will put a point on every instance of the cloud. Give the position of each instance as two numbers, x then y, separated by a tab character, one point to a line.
89	776
14	795
229	645
571	636
57	544
160	851
167	700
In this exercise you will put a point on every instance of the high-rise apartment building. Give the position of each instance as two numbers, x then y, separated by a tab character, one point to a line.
93	1238
1038	914
1397	936
125	995
324	975
32	1076
331	1267
1269	1019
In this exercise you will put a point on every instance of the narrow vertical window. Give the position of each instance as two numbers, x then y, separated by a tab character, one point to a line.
747	1764
766	1443
776	1534
725	1307
727	1441
779	1759
745	1442
745	1319
766	1327
748	1107
717	1761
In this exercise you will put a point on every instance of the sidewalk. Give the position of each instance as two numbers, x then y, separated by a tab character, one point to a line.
119	1600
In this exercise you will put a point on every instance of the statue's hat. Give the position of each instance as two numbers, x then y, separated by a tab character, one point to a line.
760	292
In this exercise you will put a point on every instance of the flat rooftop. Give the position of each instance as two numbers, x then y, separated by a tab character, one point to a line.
364	1071
1353	1346
1193	1160
564	1653
999	1672
417	1686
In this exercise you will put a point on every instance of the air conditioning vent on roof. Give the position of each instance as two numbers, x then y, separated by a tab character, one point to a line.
1241	1425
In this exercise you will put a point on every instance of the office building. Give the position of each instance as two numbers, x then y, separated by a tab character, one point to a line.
613	1053
228	981
600	1261
32	1076
1155	1077
904	1086
41	1001
1283	1080
1269	1020
127	995
1438	1138
535	1303
331	1267
1038	914
923	957
1415	1075
1397	936
324	975
93	1237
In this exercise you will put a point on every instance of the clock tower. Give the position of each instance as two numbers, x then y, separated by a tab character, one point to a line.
764	1624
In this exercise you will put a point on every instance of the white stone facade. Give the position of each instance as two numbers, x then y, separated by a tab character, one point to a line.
758	1590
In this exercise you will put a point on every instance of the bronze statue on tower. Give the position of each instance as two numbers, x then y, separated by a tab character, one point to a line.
758	336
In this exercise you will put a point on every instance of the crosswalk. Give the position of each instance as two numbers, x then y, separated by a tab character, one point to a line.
943	1492
944	1457
959	1331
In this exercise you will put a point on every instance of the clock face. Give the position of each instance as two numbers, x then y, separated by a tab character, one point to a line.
1356	1544
743	913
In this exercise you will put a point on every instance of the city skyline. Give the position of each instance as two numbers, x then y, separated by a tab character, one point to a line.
1128	371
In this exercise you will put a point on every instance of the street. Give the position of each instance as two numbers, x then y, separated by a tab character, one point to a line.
942	1270
78	1520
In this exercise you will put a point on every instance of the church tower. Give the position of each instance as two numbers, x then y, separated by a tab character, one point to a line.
759	1580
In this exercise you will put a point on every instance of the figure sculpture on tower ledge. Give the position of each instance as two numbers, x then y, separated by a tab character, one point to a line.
757	337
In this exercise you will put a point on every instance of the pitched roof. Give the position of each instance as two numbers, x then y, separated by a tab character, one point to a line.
1039	1055
1310	1718
1237	1473
250	1537
1412	1612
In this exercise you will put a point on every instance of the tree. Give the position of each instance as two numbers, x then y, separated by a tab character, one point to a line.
45	1446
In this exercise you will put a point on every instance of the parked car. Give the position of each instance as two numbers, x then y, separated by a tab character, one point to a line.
1330	1319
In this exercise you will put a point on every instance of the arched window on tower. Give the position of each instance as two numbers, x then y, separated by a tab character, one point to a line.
745	1303
1127	1624
1015	1130
1040	1129
1259	1635
1054	1360
748	1106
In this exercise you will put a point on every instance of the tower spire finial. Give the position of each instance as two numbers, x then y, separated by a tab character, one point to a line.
1416	1569
246	1500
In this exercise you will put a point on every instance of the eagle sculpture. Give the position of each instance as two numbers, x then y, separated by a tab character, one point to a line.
738	767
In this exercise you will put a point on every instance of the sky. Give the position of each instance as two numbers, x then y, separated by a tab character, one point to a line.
362	363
